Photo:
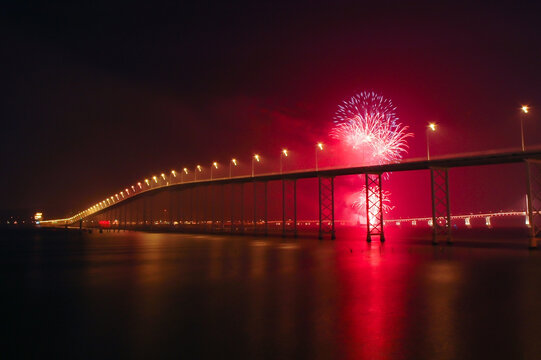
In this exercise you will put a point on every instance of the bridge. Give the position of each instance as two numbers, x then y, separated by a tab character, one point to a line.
200	205
464	218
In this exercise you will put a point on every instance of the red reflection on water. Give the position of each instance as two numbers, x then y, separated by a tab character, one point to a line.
374	294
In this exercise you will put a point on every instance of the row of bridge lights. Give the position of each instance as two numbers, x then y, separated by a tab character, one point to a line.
233	162
431	127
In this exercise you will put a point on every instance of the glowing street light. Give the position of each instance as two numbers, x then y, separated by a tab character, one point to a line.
231	163
282	154
319	147
184	171
525	109
430	127
255	158
155	178
163	176
214	165
173	174
197	168
147	182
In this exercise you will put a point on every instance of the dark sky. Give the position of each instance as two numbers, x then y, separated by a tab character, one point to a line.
97	96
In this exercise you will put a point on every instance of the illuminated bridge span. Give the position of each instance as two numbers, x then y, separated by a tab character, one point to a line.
466	219
200	205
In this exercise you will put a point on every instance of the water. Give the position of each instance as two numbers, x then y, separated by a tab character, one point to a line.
140	295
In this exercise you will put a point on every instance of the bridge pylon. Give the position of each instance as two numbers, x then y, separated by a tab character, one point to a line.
260	208
326	206
441	214
237	212
289	206
374	207
533	168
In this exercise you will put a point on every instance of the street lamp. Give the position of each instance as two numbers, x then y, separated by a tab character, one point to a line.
232	162
214	165
197	168
174	173
282	154
184	171
430	127
148	182
319	147
525	109
255	158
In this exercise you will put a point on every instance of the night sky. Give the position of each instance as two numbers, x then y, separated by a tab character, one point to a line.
97	96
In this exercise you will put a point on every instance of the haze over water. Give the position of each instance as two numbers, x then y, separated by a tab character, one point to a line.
143	295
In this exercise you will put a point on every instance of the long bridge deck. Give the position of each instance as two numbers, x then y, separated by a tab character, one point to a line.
438	167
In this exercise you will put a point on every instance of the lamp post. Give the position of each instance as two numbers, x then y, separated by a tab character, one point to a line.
197	168
184	171
231	163
525	109
254	159
214	165
319	147
282	154
174	174
430	127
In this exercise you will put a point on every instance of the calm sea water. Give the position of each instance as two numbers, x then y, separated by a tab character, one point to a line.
147	296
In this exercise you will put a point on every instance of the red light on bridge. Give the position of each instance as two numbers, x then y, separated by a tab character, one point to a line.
105	223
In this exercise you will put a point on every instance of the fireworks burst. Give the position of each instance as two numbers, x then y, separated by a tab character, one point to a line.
359	204
368	122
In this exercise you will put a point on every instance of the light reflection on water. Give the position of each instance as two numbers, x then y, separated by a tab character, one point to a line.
170	295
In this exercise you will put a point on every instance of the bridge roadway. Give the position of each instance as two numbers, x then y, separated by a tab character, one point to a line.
437	166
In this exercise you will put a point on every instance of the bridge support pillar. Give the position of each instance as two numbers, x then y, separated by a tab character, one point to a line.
326	206
374	207
533	168
289	206
441	214
237	198
171	195
221	189
260	206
